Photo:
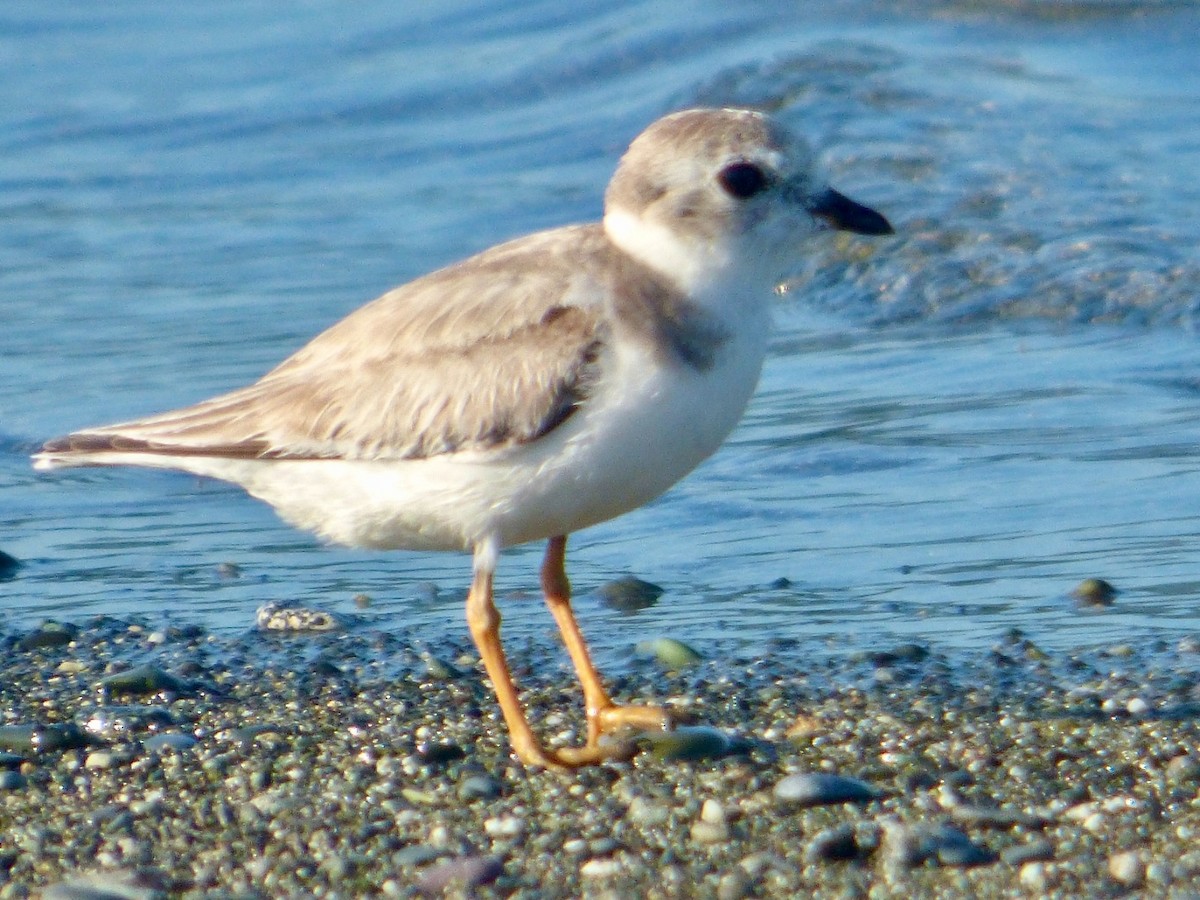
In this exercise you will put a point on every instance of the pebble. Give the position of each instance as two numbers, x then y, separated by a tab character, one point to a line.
480	787
285	615
996	817
1183	768
109	885
12	781
467	872
141	681
439	669
1095	592
837	844
646	813
713	812
734	885
601	867
100	759
42	738
439	753
113	723
690	743
1136	706
504	827
629	594
48	634
1034	851
11	760
710	832
170	741
1127	868
1035	877
671	654
909	846
822	788
415	855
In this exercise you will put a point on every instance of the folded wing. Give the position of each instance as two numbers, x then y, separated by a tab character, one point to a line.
483	354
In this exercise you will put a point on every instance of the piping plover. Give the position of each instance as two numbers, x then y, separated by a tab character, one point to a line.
542	386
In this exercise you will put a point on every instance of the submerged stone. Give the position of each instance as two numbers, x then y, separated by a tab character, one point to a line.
48	634
629	594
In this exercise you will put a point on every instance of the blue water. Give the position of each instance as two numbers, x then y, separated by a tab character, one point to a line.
955	425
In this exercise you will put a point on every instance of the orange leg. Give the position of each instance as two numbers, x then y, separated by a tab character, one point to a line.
484	621
603	716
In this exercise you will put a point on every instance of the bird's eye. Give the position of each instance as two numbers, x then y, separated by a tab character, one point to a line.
742	179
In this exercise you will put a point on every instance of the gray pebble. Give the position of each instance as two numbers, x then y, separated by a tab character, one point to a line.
466	871
837	844
439	753
46	738
604	846
12	781
10	760
646	813
48	634
1034	851
996	817
141	681
106	885
175	740
415	855
439	669
629	594
480	787
822	788
118	722
690	743
910	846
8	565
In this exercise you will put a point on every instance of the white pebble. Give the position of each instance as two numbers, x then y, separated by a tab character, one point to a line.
1137	706
604	867
1127	868
647	813
712	812
99	759
1034	877
504	827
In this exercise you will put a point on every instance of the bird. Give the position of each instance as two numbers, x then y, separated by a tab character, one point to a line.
547	384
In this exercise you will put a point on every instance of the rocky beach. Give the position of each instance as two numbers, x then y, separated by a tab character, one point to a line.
148	762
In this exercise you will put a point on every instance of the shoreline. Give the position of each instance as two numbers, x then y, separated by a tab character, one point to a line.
352	763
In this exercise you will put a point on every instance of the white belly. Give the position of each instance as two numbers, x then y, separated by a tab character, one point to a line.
646	427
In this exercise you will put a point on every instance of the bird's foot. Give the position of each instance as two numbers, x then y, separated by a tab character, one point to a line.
604	745
611	719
